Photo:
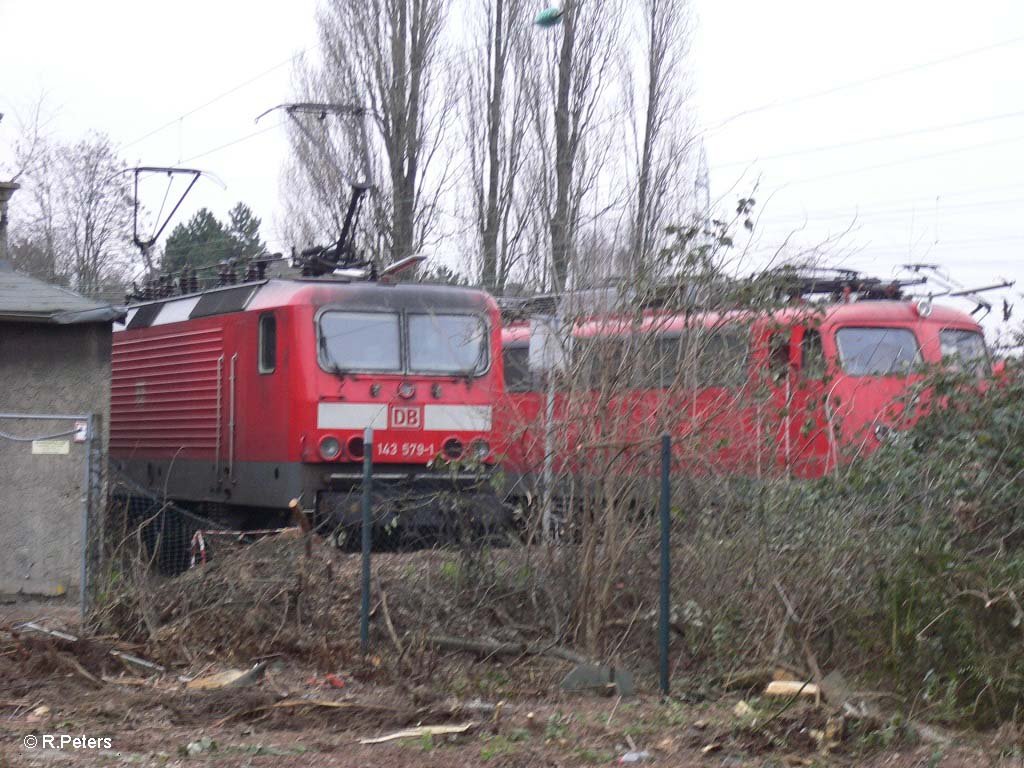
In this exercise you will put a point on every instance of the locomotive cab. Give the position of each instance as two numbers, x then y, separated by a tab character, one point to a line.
240	399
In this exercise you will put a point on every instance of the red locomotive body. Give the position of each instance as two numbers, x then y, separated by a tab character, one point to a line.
242	398
798	390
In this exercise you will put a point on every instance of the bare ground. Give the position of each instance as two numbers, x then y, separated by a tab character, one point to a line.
318	697
293	717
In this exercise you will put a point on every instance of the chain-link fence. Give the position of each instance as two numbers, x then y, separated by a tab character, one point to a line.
156	531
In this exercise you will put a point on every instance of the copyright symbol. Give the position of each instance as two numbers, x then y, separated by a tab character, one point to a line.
31	741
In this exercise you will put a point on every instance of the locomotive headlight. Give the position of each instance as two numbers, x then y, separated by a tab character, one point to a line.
480	449
406	390
330	448
453	448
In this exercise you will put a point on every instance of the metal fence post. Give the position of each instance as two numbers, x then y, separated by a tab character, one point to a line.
663	614
367	532
89	514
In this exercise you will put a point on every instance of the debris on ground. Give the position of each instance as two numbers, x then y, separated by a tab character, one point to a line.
330	680
592	678
230	678
792	688
757	677
190	659
421	731
742	709
635	757
198	747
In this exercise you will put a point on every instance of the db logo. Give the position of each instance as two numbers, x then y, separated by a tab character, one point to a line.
405	417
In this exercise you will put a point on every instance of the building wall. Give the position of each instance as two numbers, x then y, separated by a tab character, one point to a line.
48	369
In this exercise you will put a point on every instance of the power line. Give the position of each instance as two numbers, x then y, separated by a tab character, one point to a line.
247	137
926	208
872	139
929	201
219	97
903	161
446	59
867	80
925	249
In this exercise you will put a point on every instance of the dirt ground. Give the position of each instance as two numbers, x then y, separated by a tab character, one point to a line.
296	715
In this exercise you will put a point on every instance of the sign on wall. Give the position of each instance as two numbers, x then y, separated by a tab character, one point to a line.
51	447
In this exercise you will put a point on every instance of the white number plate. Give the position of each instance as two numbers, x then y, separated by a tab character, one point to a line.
392	449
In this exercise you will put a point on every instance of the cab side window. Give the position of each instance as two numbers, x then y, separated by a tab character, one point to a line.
267	343
812	356
518	377
713	357
778	356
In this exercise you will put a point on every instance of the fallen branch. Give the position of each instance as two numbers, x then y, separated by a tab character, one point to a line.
387	620
128	659
423	730
492	648
312	703
71	662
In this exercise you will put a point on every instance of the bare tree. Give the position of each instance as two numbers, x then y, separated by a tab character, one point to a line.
30	141
496	128
657	126
78	226
382	54
570	108
94	211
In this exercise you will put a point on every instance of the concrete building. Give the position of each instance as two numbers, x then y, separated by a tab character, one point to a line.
54	408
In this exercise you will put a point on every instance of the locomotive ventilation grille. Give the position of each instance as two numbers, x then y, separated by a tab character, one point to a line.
167	392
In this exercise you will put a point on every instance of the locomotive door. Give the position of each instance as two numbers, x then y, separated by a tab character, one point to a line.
255	409
810	437
228	407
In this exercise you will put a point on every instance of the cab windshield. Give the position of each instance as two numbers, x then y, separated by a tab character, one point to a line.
964	351
392	342
361	341
877	351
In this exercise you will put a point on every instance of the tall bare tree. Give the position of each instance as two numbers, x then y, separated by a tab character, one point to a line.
570	107
496	127
658	136
383	54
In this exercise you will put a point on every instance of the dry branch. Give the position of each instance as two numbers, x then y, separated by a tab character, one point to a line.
492	648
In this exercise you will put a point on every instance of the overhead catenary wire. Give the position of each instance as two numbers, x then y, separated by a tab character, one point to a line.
882	205
855	214
870	140
240	140
177	120
868	80
439	61
905	160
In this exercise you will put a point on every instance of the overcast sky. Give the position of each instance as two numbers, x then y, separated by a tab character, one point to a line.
896	127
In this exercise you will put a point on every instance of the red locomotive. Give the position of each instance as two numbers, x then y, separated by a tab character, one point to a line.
235	400
795	390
